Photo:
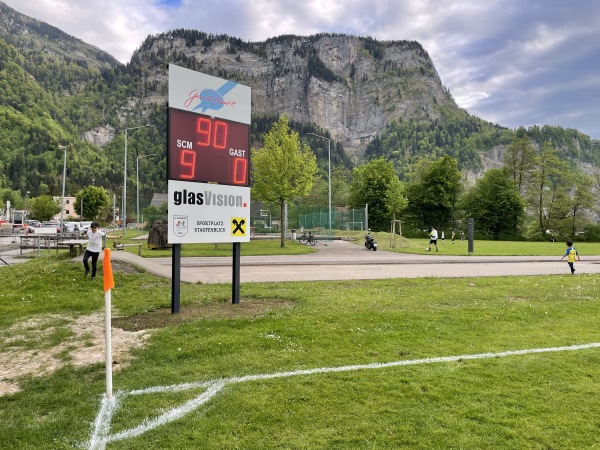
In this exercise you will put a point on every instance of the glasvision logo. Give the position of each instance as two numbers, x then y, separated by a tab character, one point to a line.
207	198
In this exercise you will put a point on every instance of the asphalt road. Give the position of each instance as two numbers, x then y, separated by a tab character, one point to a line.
340	260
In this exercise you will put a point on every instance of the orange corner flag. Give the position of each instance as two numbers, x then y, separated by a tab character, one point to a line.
109	281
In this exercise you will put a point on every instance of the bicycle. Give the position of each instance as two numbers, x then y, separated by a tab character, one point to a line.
310	239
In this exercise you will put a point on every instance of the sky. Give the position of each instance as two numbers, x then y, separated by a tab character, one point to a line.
511	62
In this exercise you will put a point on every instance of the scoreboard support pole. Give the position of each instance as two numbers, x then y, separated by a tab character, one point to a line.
235	279
176	279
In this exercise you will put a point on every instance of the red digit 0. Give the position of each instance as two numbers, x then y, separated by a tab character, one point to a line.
203	128
188	160
239	170
220	137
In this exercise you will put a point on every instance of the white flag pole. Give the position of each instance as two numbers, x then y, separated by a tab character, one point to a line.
107	331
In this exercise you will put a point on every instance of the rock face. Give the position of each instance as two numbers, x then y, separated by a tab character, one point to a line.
351	86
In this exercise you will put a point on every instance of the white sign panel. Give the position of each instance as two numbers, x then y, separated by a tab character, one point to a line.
208	213
204	94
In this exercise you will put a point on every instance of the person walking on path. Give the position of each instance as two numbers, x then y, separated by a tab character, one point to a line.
433	239
571	255
94	247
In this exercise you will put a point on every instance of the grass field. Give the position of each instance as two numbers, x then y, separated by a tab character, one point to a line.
534	400
384	241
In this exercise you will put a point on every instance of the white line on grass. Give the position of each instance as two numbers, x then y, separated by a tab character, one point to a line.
100	434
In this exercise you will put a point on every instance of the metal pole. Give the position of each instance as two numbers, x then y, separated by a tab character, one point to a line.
124	185
124	212
26	207
137	183
114	212
329	175
329	169
62	205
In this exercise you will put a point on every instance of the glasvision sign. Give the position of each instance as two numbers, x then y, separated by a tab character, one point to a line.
208	213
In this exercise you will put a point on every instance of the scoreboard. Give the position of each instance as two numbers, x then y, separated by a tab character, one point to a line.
208	149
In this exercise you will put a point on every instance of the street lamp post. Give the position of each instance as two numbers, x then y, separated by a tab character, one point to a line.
124	212
62	204
137	184
329	174
26	207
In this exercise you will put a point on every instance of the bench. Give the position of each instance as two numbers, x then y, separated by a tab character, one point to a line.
75	245
118	246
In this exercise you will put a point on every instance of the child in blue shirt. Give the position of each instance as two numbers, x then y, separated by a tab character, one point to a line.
571	254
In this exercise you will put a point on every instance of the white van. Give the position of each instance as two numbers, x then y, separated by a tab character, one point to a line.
72	227
84	226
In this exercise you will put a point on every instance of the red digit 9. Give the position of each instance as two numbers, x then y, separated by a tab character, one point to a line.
203	128
187	160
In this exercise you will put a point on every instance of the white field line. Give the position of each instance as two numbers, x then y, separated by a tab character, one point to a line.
100	435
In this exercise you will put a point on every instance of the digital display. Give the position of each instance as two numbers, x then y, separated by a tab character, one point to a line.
208	150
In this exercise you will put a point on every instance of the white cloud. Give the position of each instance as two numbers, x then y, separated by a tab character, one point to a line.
506	61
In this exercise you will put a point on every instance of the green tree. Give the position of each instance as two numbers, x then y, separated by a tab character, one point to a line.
550	179
152	213
520	161
340	185
43	208
396	198
495	204
282	170
94	199
433	194
319	193
377	185
581	201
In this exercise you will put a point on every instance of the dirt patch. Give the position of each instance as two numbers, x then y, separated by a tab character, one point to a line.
162	317
83	345
124	268
28	350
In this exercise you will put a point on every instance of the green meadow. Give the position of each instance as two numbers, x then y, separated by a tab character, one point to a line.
284	331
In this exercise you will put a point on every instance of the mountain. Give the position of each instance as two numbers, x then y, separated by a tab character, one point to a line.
372	98
353	87
51	55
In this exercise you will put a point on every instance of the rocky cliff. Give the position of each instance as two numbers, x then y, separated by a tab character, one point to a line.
351	86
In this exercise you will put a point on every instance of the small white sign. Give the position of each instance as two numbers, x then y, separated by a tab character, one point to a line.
208	213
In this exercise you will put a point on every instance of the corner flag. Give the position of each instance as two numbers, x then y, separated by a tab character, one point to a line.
109	281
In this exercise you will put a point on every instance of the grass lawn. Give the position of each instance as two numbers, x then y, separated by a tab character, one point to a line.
402	245
267	247
534	400
480	248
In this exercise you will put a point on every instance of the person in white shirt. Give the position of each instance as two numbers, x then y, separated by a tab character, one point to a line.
433	237
94	247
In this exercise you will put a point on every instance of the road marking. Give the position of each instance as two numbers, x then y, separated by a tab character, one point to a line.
101	431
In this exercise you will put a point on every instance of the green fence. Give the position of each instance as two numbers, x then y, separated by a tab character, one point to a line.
349	219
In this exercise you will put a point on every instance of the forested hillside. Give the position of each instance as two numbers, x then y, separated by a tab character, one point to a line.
466	137
371	99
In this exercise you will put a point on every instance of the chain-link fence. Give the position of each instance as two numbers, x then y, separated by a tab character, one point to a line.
341	219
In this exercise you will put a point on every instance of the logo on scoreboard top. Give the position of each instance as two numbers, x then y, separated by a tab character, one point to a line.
201	93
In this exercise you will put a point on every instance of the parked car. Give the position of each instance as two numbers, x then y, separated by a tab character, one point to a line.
72	227
33	223
84	226
52	224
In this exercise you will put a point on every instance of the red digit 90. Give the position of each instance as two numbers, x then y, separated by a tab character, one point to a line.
207	134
